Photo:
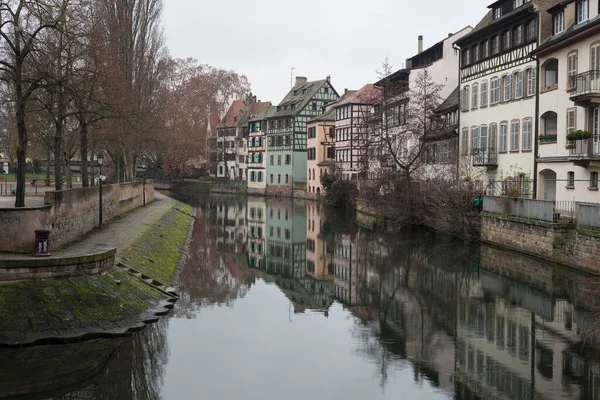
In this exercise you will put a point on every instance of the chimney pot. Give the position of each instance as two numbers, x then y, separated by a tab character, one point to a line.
450	34
346	90
301	80
420	43
328	78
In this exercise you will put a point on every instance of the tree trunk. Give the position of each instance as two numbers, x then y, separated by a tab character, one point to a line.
21	150
84	153
48	155
68	177
58	155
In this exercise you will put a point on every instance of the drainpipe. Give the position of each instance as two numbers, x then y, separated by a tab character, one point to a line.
536	144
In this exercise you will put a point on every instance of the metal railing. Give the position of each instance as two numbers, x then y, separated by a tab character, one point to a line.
485	156
588	214
585	83
578	147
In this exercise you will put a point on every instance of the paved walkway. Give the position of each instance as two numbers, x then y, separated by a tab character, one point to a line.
119	233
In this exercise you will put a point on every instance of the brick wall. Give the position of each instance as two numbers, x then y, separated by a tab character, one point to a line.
560	243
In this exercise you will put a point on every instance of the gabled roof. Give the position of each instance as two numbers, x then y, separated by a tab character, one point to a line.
259	110
213	122
450	102
232	117
368	94
298	97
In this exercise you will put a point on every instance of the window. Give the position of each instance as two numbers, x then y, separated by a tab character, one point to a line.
503	137
514	135
581	11
497	12
495	91
571	120
484	94
518	85
465	141
311	133
530	31
595	57
517	35
571	69
465	98
558	23
287	179
314	106
493	137
527	133
475	53
474	138
531	81
495	45
551	72
517	3
466	57
271	178
475	96
253	176
506	40
288	159
484	49
507	86
272	160
279	179
594	180
260	176
550	123
570	180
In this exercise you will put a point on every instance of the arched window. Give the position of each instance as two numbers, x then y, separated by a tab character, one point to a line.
549	124
550	68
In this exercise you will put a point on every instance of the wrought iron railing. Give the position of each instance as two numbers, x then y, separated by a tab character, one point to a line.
485	156
585	83
578	147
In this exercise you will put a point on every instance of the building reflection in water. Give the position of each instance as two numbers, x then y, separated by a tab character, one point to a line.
456	312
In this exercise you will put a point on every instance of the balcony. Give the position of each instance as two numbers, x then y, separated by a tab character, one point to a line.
585	88
583	151
486	157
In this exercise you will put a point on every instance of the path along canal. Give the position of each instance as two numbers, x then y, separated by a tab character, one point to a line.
282	298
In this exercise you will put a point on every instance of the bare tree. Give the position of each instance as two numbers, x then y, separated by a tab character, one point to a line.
23	24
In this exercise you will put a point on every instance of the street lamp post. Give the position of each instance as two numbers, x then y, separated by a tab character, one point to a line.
100	160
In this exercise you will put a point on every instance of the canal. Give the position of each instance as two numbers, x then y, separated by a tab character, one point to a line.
283	299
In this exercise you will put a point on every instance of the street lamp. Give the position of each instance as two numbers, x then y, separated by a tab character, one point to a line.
100	160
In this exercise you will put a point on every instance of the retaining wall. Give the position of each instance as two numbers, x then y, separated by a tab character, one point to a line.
68	214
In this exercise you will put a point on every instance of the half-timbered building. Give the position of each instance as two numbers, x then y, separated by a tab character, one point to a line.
257	146
568	160
286	133
498	83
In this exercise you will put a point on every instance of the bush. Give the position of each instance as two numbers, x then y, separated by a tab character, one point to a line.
342	194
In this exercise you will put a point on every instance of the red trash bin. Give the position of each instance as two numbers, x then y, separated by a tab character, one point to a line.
42	243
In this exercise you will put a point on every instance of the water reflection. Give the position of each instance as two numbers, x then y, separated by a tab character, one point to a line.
371	314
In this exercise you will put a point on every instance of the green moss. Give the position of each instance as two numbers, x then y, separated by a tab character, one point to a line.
158	251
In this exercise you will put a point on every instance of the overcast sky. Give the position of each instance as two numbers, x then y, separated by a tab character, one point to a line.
347	39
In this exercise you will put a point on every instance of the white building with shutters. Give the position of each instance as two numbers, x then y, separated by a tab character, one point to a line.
569	101
498	80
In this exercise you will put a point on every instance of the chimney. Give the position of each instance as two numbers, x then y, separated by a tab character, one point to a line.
329	78
420	44
450	34
301	80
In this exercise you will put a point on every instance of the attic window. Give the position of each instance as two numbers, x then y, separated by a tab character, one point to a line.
292	106
303	91
295	93
326	90
278	108
314	106
285	108
497	12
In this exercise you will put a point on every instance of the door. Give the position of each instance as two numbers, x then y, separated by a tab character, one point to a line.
595	130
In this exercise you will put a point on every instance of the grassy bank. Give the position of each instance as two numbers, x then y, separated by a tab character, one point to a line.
158	251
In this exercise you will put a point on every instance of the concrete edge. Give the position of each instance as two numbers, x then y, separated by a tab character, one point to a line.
185	252
56	261
29	208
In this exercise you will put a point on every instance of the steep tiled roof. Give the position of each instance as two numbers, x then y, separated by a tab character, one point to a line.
213	121
368	94
450	102
298	97
572	31
327	116
259	110
232	117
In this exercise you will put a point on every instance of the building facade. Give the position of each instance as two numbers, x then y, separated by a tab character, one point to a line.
320	152
568	160
498	83
257	147
286	133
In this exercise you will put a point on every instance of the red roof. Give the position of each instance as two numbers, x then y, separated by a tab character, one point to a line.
230	120
259	108
368	94
213	121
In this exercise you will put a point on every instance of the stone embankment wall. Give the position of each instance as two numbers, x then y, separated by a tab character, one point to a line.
562	243
69	214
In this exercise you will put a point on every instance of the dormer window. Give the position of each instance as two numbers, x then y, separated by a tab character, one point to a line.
497	12
558	23
517	35
475	53
278	108
581	11
484	49
466	57
506	40
495	45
